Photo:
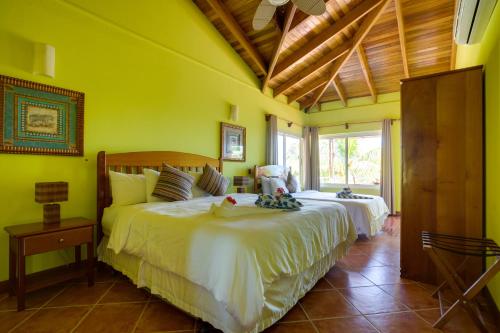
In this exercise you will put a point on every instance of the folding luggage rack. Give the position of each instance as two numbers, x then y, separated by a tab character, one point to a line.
434	244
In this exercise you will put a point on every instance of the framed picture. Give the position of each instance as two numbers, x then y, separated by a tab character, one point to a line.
233	142
40	119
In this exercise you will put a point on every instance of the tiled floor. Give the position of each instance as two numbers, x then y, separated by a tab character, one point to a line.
362	293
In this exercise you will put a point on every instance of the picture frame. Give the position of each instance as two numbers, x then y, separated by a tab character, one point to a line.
233	142
40	119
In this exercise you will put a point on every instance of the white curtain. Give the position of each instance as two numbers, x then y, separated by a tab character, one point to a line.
311	158
271	140
387	183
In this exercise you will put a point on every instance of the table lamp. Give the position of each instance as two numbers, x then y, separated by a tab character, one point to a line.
48	194
241	182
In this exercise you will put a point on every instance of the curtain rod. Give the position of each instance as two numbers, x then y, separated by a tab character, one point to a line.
346	124
289	122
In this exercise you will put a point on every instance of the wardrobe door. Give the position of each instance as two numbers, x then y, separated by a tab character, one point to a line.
442	186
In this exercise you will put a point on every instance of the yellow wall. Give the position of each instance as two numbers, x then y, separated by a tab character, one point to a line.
362	110
156	76
488	54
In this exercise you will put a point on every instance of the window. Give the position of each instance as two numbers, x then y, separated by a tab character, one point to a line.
351	160
290	153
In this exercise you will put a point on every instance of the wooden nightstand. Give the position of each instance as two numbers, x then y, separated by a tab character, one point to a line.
34	238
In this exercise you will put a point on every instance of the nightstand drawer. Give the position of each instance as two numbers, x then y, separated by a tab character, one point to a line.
57	240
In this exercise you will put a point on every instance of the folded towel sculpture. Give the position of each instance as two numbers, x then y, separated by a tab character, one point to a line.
229	208
280	200
346	193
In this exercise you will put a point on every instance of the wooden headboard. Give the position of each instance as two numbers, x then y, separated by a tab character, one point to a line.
135	162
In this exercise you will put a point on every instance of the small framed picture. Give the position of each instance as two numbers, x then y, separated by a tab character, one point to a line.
233	142
40	119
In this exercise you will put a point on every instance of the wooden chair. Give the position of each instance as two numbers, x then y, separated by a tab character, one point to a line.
434	244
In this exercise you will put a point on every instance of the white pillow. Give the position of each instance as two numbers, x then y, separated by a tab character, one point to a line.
277	183
265	183
127	189
196	190
293	183
151	180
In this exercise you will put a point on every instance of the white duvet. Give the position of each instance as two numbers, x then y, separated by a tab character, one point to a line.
235	259
367	214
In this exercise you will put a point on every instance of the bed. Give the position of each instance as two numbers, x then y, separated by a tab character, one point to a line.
239	274
368	215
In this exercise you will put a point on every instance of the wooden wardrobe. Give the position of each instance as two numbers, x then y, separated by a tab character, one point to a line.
442	166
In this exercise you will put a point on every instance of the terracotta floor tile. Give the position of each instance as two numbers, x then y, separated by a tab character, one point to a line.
111	318
327	304
55	320
360	261
160	316
343	278
34	299
412	295
322	284
9	319
460	323
80	294
357	324
125	292
383	275
407	322
304	327
372	300
295	314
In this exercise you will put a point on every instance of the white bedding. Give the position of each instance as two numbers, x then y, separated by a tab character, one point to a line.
368	215
235	259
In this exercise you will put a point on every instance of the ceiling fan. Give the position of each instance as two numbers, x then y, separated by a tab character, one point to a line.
266	10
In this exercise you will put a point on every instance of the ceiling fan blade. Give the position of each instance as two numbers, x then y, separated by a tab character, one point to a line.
311	7
263	15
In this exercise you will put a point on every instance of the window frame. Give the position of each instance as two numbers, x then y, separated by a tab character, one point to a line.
301	152
346	137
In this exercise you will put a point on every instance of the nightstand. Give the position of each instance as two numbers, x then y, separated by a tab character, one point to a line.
35	238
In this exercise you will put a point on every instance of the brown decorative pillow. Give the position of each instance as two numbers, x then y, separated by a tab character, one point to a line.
173	185
212	181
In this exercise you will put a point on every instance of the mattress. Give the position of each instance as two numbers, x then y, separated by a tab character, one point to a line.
368	215
194	299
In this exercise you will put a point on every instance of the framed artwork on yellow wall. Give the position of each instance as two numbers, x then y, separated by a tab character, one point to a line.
233	142
40	119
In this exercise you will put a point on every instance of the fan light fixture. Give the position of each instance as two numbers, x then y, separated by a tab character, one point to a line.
267	8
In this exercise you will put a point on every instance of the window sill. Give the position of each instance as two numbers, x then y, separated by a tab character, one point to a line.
353	186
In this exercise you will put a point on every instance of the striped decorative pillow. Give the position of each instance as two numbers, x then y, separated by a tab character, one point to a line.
173	185
212	181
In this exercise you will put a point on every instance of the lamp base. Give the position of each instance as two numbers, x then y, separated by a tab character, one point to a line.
51	213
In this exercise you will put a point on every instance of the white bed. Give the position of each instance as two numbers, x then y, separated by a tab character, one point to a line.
368	215
240	274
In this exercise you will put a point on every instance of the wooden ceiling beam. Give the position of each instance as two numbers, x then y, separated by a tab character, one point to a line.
358	37
365	67
232	25
277	50
340	90
402	36
324	36
309	70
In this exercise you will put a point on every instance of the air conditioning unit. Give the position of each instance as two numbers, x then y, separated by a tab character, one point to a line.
471	20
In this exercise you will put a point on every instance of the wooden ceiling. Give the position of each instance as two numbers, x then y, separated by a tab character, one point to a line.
357	48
